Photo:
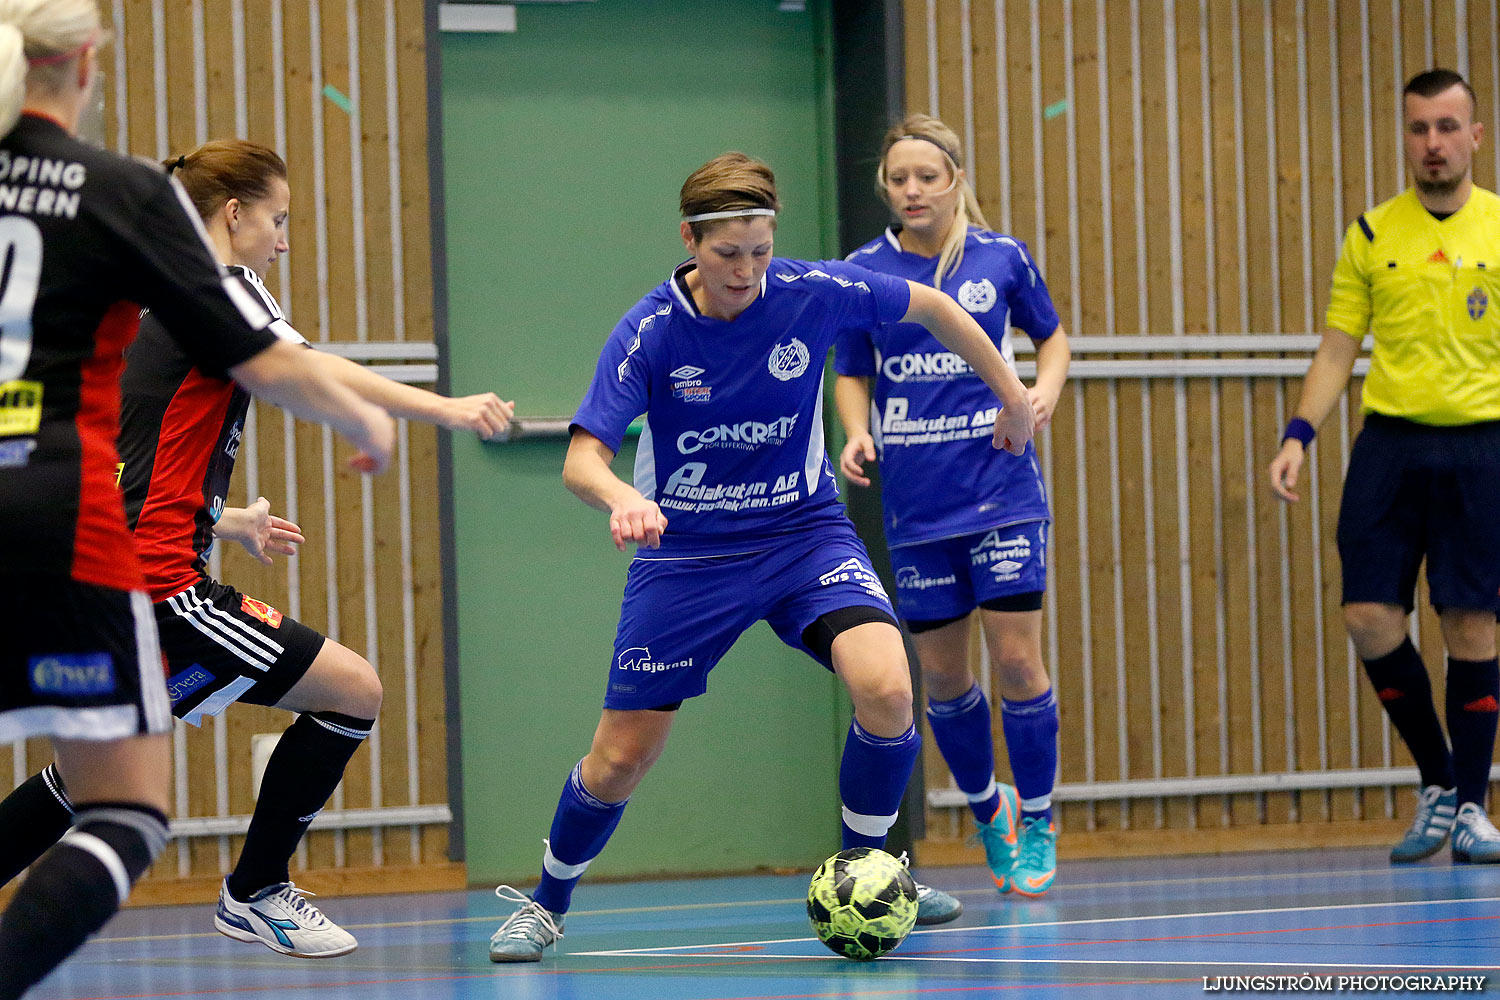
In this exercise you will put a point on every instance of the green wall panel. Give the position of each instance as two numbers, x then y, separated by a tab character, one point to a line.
564	147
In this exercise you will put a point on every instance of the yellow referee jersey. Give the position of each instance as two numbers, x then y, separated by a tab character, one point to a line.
1429	292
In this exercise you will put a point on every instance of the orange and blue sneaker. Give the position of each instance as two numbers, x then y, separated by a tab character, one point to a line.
1036	857
998	837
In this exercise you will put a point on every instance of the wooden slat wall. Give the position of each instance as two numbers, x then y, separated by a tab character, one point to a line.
185	71
1189	167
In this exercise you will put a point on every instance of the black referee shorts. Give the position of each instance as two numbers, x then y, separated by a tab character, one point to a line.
78	661
1415	491
223	647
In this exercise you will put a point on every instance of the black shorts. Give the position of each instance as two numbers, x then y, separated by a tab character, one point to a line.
78	661
223	647
1414	491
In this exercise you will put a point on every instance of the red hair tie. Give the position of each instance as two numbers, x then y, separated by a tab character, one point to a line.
63	56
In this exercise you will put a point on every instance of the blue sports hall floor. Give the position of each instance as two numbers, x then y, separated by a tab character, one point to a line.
1119	929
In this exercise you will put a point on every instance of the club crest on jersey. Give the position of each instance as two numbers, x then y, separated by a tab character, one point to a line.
789	360
688	387
1478	302
977	296
261	610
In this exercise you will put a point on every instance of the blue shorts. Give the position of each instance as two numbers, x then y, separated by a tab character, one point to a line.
1414	491
680	616
953	576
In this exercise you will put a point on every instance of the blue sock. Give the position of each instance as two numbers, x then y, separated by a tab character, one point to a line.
872	781
580	829
962	730
1031	737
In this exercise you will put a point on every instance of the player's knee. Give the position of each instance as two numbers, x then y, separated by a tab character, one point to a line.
1375	629
1019	668
367	693
621	764
941	675
884	702
1469	634
360	692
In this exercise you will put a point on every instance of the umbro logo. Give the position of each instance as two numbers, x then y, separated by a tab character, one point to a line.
687	371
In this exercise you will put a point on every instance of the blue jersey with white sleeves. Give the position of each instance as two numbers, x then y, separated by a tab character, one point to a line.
732	446
933	416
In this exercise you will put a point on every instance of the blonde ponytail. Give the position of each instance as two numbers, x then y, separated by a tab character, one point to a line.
39	39
968	212
12	76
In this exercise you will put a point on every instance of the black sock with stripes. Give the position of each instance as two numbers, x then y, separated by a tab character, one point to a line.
75	888
302	773
32	818
1473	701
1401	684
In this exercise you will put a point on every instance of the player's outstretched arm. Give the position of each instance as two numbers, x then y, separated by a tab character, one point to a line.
632	518
302	383
1327	377
486	414
956	330
259	531
1053	355
851	397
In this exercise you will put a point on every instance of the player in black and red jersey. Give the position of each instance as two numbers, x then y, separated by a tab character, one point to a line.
84	237
181	425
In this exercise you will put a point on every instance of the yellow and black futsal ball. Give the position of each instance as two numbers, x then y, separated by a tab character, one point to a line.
862	903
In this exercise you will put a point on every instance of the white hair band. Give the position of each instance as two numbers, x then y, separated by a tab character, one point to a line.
733	213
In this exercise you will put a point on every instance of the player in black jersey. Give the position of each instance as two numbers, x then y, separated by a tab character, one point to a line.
84	237
179	437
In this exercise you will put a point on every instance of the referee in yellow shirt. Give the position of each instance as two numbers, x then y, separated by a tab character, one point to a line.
1421	273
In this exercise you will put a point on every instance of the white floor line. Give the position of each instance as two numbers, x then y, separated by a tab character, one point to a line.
1389	904
1214	963
743	903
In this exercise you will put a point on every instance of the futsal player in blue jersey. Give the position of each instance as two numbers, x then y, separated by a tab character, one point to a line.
735	514
979	540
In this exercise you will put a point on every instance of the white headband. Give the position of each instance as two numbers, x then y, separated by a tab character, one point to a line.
733	213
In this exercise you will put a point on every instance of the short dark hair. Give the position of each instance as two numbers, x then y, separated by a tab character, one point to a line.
1432	82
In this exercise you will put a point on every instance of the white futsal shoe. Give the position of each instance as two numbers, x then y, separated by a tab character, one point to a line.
280	918
525	933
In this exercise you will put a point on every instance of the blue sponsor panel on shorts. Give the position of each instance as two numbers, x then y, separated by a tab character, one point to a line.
185	682
72	675
953	576
680	616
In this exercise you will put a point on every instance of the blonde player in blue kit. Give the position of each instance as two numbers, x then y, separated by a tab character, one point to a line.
980	540
736	515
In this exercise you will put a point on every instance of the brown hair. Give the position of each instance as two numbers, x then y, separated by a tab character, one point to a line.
226	168
1433	82
932	130
725	183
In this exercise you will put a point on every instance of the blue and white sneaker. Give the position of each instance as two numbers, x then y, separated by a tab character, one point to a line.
934	906
525	933
1436	809
998	837
1475	839
280	918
